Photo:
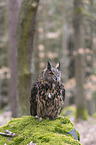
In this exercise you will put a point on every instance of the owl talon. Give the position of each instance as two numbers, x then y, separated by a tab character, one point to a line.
36	117
40	119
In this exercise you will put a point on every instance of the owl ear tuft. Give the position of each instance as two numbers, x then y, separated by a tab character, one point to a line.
58	66
48	65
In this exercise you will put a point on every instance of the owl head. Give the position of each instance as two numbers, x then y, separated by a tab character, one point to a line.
52	75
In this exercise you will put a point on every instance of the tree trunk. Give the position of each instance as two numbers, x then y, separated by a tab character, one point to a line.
79	57
36	53
25	33
13	16
64	50
19	3
0	94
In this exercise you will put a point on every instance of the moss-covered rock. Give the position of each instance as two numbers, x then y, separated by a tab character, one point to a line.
77	113
94	115
81	113
46	132
69	111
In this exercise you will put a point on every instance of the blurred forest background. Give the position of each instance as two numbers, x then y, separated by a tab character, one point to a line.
65	31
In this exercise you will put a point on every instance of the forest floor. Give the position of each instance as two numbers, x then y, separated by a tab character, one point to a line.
87	129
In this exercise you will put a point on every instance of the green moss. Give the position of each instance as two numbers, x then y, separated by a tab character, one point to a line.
94	95
94	115
69	111
72	111
81	113
46	132
1	111
79	10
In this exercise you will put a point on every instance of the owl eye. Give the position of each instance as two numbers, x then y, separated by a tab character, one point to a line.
51	73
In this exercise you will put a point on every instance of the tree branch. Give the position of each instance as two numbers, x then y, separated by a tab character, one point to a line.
8	134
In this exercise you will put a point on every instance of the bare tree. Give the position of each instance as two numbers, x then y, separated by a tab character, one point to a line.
25	36
79	57
13	16
0	95
36	53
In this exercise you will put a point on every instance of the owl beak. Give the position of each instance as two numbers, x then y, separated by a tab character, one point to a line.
57	79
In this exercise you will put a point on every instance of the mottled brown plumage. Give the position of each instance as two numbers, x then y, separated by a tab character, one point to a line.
48	93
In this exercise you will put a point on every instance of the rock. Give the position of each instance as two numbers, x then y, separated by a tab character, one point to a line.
74	133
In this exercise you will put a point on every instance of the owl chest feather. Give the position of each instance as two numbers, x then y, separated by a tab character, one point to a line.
50	100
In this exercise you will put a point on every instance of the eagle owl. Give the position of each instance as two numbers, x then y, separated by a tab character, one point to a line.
47	93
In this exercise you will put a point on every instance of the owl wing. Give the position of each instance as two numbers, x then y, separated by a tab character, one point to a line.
33	102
